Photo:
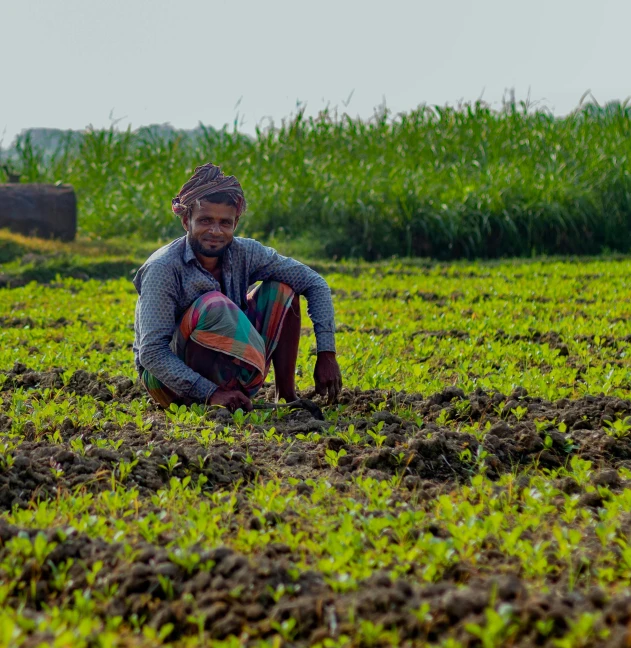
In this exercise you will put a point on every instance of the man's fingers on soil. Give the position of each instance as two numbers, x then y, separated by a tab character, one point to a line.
244	403
334	389
232	400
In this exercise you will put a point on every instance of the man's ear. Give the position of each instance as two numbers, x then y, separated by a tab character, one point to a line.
236	222
185	221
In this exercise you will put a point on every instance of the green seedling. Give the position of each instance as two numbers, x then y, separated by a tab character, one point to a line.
272	435
375	434
443	417
55	469
286	629
519	412
350	436
207	436
171	463
620	428
333	458
166	585
125	469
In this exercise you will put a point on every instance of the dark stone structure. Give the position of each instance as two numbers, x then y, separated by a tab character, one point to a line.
48	211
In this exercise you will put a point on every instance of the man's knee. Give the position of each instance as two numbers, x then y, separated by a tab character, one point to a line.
280	289
213	298
204	314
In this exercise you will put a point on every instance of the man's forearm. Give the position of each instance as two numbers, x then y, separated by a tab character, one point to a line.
175	374
325	341
320	310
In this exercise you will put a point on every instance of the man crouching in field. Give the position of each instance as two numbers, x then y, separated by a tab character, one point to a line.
200	336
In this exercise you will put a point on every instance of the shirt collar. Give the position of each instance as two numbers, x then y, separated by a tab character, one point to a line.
188	255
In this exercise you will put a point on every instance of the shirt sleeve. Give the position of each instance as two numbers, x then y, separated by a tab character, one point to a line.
156	313
267	264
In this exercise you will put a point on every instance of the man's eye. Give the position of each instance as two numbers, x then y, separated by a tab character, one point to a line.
225	222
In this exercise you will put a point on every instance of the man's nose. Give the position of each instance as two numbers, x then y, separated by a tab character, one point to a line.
214	228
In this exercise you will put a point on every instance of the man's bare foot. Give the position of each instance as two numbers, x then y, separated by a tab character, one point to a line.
288	397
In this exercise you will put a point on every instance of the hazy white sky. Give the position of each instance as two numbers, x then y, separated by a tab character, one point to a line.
70	63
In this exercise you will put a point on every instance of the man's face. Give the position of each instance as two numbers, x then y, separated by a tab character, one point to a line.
210	229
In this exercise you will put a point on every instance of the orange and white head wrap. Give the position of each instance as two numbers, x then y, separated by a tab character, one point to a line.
208	179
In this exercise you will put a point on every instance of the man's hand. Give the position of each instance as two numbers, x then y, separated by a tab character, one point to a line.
327	375
232	400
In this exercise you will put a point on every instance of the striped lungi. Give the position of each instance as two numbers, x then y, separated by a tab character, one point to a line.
243	341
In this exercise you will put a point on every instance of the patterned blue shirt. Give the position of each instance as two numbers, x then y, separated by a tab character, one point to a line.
172	279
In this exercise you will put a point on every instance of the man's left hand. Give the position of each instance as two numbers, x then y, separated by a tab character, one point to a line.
327	376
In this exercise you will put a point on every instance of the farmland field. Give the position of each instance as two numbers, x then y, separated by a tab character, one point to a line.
468	489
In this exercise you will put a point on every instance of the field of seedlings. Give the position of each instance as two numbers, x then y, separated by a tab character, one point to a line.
469	488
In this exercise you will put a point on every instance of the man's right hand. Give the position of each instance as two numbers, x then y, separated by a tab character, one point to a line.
232	400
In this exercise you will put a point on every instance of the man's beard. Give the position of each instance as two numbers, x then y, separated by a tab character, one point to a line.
197	247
